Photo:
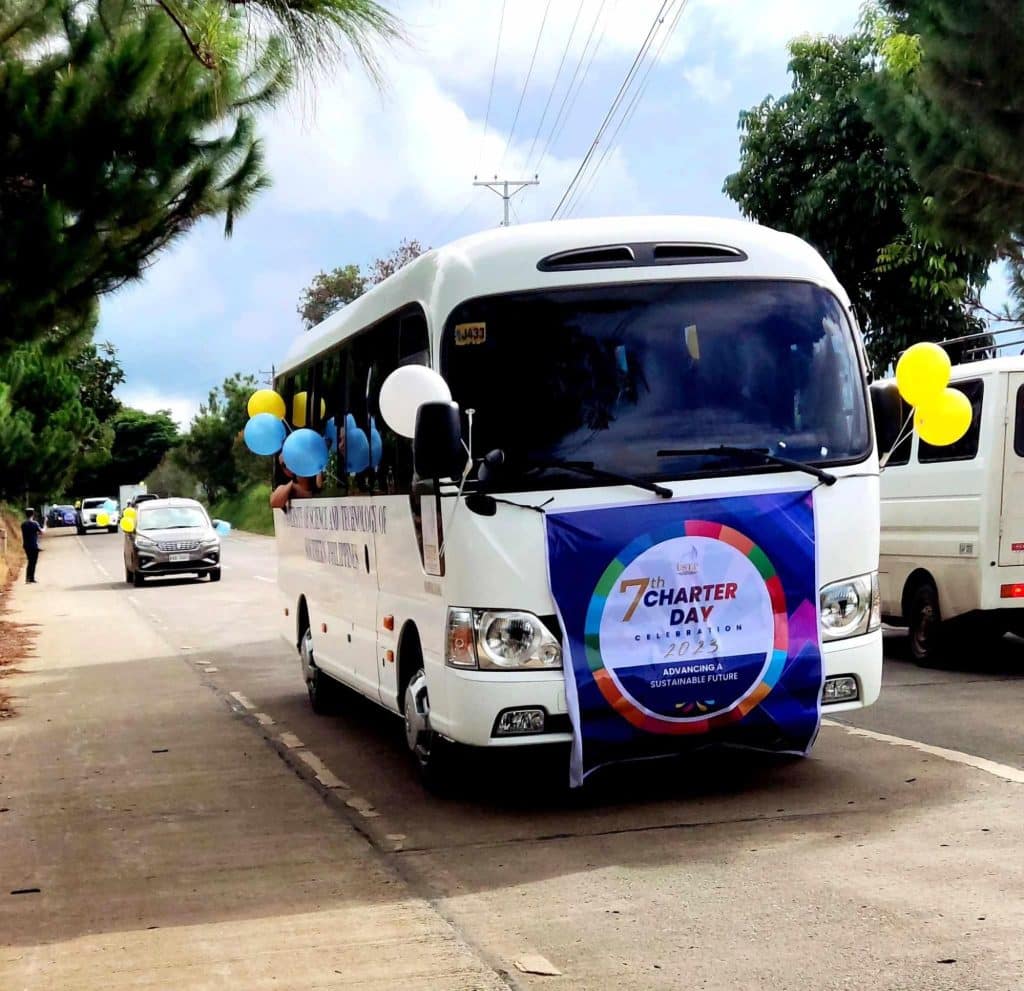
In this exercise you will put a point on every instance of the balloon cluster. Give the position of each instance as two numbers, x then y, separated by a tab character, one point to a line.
303	450
941	415
128	520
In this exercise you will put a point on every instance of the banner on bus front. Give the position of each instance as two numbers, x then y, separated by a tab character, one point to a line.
688	623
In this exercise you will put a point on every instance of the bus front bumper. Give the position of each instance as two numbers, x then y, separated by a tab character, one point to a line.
515	709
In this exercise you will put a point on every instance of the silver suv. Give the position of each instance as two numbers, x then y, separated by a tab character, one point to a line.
171	537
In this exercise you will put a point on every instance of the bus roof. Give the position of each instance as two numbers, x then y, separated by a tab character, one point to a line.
506	260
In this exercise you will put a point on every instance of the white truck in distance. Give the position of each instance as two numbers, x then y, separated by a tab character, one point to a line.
128	492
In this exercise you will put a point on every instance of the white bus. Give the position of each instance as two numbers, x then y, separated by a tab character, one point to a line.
403	589
952	549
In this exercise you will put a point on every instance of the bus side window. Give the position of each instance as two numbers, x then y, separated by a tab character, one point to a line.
413	339
331	393
286	389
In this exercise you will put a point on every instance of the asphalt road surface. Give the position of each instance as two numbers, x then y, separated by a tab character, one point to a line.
892	858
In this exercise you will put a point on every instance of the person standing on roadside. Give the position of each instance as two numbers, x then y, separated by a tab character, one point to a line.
31	531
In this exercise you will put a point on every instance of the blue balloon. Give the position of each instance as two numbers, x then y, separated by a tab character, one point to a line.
264	434
305	453
331	434
223	527
376	445
110	506
357	448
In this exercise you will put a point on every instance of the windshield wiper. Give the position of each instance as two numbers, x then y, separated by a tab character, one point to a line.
754	454
587	468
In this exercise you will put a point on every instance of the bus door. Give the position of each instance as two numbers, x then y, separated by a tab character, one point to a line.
1011	524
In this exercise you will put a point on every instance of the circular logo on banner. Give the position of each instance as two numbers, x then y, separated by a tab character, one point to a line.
687	628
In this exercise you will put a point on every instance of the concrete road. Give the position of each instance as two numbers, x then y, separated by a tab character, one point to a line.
890	859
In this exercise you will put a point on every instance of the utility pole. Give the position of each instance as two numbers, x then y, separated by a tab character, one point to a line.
506	189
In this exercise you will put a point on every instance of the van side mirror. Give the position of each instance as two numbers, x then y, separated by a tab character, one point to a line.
437	444
887	411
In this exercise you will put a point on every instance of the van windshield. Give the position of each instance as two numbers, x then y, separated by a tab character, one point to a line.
610	375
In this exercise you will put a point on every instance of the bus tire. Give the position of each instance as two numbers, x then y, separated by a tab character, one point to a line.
322	688
924	621
435	756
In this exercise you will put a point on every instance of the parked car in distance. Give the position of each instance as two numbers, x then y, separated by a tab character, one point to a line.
171	537
62	516
140	498
92	509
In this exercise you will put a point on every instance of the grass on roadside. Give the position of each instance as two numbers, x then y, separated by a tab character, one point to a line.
249	510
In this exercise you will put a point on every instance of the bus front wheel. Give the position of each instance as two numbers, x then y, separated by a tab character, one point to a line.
434	755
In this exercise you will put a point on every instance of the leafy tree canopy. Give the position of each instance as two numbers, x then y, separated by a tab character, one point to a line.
949	99
140	441
330	291
126	123
813	164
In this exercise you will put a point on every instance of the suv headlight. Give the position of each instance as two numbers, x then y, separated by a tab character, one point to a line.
851	608
145	544
500	640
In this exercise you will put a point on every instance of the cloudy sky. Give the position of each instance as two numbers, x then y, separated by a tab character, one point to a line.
355	168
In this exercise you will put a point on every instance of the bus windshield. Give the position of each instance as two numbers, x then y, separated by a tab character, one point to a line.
610	375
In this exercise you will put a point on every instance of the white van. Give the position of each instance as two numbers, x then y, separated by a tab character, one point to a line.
573	351
952	551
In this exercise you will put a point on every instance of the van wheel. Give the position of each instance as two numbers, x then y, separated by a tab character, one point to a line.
925	622
434	755
322	689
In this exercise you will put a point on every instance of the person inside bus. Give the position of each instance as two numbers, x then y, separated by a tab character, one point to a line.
296	487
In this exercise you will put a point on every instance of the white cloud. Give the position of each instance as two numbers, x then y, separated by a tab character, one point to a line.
182	408
707	83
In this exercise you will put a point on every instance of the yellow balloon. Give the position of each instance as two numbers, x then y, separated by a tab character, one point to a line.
299	409
944	420
922	373
266	401
128	523
129	512
102	519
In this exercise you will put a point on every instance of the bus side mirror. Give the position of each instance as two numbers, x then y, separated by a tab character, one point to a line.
437	446
887	411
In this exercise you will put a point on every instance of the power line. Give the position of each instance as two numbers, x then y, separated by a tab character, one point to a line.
501	187
554	85
556	130
526	83
584	190
626	83
494	73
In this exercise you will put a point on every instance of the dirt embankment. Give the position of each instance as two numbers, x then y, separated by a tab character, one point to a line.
15	638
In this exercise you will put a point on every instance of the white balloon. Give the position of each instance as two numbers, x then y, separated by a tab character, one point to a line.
405	390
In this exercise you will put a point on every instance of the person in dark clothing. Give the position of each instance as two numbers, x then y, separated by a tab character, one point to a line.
30	534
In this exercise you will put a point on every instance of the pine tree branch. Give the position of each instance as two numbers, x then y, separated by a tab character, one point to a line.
998	180
204	59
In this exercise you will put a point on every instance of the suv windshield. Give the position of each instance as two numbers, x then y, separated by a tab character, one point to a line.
610	375
170	517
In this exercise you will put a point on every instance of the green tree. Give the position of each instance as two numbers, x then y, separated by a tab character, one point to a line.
44	427
170	479
330	291
139	442
99	373
813	164
206	451
126	123
949	98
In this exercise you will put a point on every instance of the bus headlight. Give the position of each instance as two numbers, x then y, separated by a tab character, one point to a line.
851	608
499	640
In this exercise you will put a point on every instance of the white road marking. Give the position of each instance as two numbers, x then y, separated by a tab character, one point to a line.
324	775
269	581
1004	771
211	670
291	741
242	701
263	719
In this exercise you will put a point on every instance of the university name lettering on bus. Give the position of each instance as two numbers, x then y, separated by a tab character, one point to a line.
353	519
338	554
